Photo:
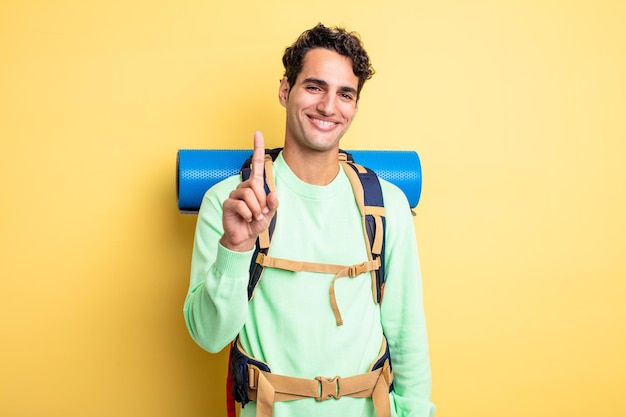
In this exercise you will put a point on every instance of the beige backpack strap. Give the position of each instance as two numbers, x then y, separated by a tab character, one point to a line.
267	388
374	250
264	237
340	271
376	212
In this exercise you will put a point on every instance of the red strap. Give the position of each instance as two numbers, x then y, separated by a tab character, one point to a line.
230	400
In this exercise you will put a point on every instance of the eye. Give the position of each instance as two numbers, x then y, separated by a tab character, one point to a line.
347	96
313	88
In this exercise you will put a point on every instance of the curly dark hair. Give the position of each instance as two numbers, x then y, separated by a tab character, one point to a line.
335	39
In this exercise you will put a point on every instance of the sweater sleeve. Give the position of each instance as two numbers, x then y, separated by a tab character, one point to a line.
216	306
402	311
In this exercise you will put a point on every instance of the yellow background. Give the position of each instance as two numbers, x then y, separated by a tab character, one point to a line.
517	110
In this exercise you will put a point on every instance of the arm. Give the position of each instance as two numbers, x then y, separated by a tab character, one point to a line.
402	311
216	305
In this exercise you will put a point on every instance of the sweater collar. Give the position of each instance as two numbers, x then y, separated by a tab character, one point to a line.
285	176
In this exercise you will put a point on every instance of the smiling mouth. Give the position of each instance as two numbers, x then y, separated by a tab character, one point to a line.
322	124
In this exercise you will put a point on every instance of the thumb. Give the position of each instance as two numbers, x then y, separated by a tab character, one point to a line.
271	203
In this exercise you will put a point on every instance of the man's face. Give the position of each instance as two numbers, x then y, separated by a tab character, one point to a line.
322	102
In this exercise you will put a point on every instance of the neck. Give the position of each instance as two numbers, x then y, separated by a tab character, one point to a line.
312	167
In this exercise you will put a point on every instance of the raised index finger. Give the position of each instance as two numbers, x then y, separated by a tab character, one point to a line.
257	164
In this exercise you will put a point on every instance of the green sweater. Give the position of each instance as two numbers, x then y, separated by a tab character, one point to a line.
289	323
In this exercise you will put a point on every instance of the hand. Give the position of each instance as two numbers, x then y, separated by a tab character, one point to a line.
248	210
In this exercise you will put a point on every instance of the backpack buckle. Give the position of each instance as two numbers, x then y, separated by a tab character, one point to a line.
328	388
358	269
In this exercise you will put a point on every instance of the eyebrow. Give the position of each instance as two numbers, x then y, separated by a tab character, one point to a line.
323	83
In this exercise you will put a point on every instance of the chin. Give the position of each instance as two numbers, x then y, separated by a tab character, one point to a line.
323	143
323	147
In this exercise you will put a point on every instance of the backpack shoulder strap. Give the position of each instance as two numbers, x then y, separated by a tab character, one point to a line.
369	197
263	241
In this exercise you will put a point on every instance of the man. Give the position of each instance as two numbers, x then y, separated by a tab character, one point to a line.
289	324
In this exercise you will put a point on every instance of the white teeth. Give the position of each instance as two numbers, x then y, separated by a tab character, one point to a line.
324	123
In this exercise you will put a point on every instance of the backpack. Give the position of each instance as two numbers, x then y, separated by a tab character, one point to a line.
369	198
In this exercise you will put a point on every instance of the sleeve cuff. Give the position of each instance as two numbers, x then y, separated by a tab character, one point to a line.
233	264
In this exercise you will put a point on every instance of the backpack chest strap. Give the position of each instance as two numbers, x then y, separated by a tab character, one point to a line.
340	271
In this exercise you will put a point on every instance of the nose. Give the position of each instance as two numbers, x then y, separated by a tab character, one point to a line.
327	104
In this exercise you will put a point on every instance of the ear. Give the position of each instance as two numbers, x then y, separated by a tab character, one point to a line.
283	92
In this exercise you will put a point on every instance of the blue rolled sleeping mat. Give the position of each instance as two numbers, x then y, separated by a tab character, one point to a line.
197	170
